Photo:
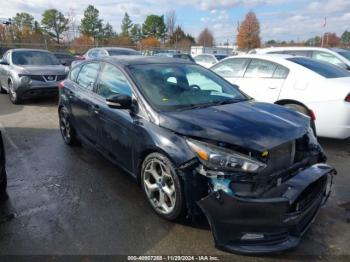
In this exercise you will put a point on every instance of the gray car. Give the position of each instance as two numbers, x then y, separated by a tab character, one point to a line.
28	73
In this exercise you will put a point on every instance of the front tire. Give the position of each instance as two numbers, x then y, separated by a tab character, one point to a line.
2	90
66	127
162	186
14	98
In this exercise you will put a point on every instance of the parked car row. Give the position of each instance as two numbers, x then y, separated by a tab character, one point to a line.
336	56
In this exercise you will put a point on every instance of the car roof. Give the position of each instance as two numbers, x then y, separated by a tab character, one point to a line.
287	48
29	49
125	60
271	57
113	48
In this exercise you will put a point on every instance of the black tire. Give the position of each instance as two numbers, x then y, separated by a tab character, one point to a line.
14	97
304	111
2	90
3	185
66	127
178	210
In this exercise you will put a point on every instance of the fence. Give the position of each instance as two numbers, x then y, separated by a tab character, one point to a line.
79	49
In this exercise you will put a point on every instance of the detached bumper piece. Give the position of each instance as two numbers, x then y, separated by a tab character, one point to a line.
273	224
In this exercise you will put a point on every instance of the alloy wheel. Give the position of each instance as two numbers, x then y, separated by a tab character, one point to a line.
159	186
65	126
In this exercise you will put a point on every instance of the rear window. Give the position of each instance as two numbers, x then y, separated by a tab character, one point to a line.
345	54
116	52
324	69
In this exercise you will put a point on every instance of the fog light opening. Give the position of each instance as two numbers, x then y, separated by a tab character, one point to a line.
252	236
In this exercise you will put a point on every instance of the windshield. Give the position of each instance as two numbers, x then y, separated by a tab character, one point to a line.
324	69
183	86
345	54
116	52
34	58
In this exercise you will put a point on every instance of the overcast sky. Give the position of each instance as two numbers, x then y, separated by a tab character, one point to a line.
279	19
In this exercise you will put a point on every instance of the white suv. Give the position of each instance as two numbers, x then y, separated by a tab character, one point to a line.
335	56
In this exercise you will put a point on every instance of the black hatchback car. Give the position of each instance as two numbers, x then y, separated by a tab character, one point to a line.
197	144
3	176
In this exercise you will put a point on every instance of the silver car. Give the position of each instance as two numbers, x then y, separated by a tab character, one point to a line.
28	73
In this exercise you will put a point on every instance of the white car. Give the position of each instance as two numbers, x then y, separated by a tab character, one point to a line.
109	51
208	60
317	89
336	56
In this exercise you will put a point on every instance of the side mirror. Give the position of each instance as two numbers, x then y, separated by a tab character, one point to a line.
119	101
3	62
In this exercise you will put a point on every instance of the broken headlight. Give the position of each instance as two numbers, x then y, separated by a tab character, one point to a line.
222	159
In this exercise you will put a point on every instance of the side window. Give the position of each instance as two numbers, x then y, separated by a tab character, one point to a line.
327	57
199	58
92	53
230	67
210	59
87	75
112	81
74	73
6	57
281	72
101	53
260	69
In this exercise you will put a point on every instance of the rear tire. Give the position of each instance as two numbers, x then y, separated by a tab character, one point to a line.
3	185
304	111
66	127
162	187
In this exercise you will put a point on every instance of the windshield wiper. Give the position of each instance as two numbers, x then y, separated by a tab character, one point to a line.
229	101
218	103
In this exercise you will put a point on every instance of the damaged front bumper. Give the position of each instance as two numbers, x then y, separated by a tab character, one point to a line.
273	222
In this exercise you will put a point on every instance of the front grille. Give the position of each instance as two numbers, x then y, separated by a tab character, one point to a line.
61	77
309	195
46	78
37	78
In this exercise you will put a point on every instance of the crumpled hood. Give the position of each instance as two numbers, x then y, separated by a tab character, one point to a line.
251	125
43	70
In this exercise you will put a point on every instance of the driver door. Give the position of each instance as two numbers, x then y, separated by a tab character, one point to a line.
116	126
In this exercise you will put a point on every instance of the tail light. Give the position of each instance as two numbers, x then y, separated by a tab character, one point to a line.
61	85
347	99
312	115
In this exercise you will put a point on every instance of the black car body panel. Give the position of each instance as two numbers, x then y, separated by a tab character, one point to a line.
234	202
252	125
3	176
277	221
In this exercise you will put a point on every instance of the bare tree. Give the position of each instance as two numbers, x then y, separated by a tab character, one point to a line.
170	18
206	38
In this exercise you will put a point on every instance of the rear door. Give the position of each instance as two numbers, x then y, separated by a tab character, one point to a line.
231	69
82	101
263	80
116	126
